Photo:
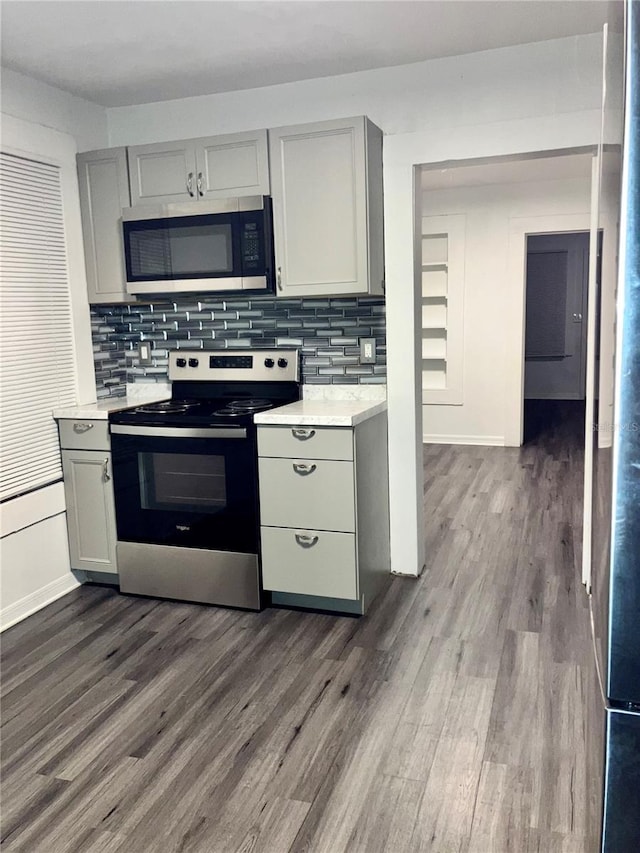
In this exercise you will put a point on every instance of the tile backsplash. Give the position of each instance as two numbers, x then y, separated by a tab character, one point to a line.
326	331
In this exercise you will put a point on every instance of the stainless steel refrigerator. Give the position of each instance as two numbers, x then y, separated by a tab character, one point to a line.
615	599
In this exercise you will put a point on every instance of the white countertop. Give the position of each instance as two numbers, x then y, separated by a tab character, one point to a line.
340	413
100	411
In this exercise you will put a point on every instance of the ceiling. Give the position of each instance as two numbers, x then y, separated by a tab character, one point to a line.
122	52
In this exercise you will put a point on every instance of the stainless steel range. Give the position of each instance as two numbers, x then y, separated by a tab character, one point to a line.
186	479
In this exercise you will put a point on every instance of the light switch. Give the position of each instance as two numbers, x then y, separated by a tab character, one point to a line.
144	352
367	350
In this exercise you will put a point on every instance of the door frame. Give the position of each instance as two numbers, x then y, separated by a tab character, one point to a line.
520	228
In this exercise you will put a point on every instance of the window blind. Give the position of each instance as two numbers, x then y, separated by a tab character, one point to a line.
37	356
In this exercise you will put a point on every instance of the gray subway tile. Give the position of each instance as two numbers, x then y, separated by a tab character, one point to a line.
315	324
288	324
345	359
240	343
317	380
325	362
288	342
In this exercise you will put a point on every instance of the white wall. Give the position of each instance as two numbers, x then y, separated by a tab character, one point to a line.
489	211
542	79
44	123
29	99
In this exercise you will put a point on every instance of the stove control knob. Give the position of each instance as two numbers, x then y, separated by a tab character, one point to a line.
193	362
269	362
181	362
282	362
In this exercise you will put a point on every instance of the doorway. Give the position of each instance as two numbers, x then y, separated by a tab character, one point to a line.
556	316
557	277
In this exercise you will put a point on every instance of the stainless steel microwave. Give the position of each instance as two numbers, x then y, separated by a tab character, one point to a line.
203	246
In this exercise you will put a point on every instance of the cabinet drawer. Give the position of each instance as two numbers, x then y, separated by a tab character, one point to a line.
309	562
84	434
305	442
323	498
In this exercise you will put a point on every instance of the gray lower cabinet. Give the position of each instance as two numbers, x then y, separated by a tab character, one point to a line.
104	190
89	496
326	181
324	521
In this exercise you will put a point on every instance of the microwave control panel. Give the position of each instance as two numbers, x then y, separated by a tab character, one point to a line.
252	239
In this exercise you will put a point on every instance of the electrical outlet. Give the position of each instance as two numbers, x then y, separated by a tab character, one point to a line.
367	350
144	353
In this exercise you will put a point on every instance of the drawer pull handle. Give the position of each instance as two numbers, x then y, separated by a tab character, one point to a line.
303	470
306	541
303	434
80	428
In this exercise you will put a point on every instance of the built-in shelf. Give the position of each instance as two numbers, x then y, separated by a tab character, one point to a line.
434	374
435	248
434	281
442	270
434	315
434	348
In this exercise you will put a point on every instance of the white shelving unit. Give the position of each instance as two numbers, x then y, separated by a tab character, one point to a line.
442	296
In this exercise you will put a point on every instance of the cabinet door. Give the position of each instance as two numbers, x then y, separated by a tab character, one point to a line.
104	191
236	164
90	510
307	493
319	189
163	173
309	562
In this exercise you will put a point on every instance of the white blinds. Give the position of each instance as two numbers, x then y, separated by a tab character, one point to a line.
37	358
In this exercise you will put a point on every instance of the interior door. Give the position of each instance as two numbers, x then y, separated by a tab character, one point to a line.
556	329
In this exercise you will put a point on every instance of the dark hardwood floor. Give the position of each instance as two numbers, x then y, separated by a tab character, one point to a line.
453	718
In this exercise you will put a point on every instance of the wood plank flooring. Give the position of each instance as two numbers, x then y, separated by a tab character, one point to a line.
452	718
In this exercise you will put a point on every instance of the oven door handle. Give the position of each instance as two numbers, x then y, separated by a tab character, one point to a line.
179	432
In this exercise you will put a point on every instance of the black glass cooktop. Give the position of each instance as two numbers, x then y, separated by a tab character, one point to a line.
203	412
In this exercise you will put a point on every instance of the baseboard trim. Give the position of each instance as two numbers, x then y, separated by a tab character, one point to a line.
35	601
482	440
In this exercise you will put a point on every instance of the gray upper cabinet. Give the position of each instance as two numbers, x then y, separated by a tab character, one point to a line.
162	173
104	191
210	167
326	183
236	164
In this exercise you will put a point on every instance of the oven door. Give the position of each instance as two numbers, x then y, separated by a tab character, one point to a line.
187	487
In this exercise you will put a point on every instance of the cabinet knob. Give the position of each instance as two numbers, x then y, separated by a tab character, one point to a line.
303	434
305	540
304	469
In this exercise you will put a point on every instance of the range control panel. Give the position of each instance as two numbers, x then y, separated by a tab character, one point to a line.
254	365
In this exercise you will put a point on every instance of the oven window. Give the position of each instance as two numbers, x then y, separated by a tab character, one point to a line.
178	481
181	251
